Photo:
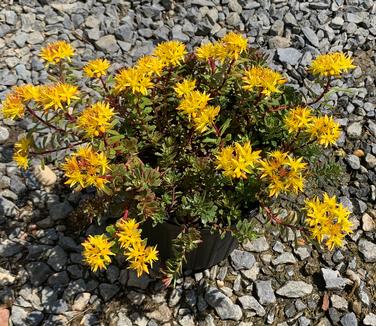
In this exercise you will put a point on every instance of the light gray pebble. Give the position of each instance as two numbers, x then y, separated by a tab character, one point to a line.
4	134
249	302
354	130
289	55
311	36
333	279
284	258
258	245
265	292
353	161
370	319
242	259
295	289
349	319
368	250
107	44
223	305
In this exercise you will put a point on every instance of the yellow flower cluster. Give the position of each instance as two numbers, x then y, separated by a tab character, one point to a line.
323	128
263	78
138	79
205	118
21	151
86	168
194	102
331	64
96	119
98	248
56	96
97	251
13	106
283	172
57	51
195	105
328	221
137	253
96	68
134	79
170	53
298	119
237	161
228	47
185	87
49	96
150	65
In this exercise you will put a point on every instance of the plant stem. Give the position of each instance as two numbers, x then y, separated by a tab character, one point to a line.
58	149
61	72
217	130
326	89
216	91
43	121
104	85
309	143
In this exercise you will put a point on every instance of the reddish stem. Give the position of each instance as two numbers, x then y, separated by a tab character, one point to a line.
104	85
44	121
58	149
326	89
216	91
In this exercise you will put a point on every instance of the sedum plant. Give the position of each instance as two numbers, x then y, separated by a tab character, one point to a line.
196	138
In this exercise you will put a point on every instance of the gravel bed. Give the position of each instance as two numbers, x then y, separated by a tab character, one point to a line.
269	281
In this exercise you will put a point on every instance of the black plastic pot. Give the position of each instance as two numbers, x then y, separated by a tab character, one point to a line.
209	252
212	250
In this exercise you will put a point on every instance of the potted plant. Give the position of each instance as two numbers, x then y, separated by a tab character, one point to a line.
191	144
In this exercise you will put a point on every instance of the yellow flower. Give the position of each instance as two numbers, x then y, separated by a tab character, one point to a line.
327	220
86	168
325	130
194	102
56	96
237	161
263	78
214	51
22	145
234	44
283	172
185	87
128	232
96	119
21	159
298	118
140	256
20	155
13	106
96	68
97	252
136	252
150	65
134	79
205	118
170	53
331	64
27	92
55	52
